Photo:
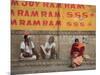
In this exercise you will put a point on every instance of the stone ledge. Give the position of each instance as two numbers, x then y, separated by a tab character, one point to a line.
21	32
50	68
16	63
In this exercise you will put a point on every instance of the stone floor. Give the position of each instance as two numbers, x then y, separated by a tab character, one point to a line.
50	68
22	67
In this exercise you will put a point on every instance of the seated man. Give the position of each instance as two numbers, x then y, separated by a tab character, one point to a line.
27	49
77	52
48	51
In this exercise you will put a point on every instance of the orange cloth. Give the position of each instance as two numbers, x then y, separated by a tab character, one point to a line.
78	60
77	48
77	51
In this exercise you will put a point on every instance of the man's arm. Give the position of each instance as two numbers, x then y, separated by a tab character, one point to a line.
82	51
22	47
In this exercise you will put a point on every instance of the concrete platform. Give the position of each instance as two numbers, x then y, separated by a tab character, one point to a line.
41	66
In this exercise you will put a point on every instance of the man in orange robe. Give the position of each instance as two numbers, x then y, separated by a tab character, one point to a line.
77	52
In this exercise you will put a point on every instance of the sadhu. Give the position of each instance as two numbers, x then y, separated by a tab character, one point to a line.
27	48
77	52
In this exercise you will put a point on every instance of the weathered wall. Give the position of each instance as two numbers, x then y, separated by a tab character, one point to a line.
63	44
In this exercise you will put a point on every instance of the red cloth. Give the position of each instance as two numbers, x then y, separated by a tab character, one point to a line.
77	48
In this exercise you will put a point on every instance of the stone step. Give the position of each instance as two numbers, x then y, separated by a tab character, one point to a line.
41	68
17	62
